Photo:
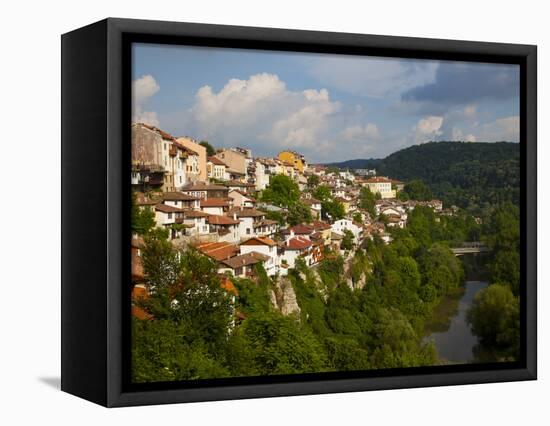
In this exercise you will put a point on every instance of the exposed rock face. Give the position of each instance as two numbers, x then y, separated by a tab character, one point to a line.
361	282
283	297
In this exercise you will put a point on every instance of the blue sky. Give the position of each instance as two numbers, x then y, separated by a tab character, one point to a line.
328	107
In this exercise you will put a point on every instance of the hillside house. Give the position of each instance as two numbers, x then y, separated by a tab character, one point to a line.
265	246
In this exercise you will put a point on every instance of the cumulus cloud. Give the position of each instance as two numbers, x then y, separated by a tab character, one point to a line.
375	77
501	129
428	128
142	90
264	114
458	135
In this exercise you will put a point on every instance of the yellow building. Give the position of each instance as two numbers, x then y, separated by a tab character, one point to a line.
292	157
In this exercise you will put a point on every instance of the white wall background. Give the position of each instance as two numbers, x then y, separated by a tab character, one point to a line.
30	246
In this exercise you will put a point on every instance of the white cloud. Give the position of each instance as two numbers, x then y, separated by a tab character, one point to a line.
262	113
428	128
375	77
502	129
458	135
142	90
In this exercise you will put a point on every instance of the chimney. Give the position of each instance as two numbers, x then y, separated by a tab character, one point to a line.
234	216
291	233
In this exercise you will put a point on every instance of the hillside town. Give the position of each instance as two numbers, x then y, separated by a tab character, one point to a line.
215	204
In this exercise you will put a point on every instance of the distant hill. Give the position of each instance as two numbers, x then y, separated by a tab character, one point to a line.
465	174
461	173
363	163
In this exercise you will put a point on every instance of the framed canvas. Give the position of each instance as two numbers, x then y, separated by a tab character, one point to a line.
256	212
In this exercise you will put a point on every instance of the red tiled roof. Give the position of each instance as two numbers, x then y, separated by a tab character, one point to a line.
218	251
201	186
319	225
297	243
245	259
216	161
378	179
194	214
178	196
165	208
221	220
301	229
214	202
143	200
246	212
254	241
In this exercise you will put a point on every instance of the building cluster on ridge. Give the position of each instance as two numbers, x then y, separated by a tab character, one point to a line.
210	203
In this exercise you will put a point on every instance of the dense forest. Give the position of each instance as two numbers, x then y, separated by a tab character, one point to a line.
359	163
468	175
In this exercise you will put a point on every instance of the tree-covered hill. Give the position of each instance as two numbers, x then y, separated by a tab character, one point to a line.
359	163
465	174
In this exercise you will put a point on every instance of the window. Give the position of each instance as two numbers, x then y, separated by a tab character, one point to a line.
169	215
247	231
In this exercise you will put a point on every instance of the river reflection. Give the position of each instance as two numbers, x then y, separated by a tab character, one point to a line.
449	329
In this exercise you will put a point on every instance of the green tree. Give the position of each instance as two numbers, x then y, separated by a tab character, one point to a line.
282	191
298	213
312	181
209	148
347	241
494	317
160	352
333	210
501	233
418	190
142	219
279	345
276	215
160	261
323	193
367	201
357	217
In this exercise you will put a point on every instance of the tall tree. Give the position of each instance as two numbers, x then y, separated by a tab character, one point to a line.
282	191
209	148
312	181
298	213
367	201
142	219
418	190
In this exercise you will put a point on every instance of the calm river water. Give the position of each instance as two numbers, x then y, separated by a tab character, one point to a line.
450	331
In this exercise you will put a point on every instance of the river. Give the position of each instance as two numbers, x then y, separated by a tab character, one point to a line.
449	329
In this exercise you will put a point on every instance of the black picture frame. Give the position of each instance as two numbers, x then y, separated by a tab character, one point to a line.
96	89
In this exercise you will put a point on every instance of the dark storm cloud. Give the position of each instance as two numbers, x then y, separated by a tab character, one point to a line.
466	83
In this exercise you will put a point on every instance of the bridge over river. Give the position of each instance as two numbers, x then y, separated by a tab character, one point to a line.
473	247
